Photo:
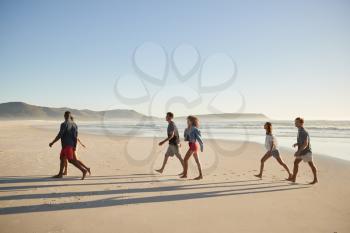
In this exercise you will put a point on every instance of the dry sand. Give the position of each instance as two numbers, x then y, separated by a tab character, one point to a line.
125	195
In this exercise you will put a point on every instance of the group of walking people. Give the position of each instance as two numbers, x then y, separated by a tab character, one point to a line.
303	152
69	139
193	136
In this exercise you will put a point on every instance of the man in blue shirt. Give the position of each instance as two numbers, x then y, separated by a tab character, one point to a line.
304	152
68	134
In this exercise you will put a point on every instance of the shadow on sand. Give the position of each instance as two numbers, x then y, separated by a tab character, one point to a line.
58	182
125	196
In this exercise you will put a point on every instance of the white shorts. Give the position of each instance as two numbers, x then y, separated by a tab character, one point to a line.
306	158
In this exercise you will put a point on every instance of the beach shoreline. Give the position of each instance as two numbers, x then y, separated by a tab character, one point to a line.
43	125
53	125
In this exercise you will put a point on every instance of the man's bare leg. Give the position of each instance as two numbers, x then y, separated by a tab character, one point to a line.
182	163
164	163
280	161
60	173
314	171
262	162
77	165
65	172
295	170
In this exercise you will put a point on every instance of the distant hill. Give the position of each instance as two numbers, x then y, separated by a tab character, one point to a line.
234	116
23	111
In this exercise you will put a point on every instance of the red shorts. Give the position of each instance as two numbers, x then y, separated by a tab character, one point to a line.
67	153
193	146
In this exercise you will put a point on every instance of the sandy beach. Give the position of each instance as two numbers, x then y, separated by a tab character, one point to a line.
123	194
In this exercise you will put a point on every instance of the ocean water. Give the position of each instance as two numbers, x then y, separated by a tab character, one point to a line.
331	138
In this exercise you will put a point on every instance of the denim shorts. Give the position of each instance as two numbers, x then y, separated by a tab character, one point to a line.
275	153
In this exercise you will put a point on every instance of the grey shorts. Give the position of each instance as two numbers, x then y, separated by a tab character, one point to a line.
306	158
275	153
172	150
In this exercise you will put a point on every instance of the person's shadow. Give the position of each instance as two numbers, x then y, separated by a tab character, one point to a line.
126	196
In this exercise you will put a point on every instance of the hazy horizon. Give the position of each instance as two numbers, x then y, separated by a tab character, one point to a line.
281	59
179	116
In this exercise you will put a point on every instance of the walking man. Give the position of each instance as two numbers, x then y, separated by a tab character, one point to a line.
174	140
304	152
68	134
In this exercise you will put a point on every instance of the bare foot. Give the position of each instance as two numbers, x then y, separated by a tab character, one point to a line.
183	176
57	176
89	171
84	174
291	179
259	176
199	177
159	170
65	173
314	182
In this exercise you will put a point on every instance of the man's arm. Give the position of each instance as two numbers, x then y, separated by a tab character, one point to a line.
54	141
59	135
167	139
76	138
302	147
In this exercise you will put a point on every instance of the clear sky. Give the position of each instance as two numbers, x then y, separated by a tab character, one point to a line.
293	57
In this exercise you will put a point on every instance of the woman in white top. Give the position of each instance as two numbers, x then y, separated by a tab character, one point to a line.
272	150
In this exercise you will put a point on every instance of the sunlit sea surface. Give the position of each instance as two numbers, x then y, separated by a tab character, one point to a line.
330	138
